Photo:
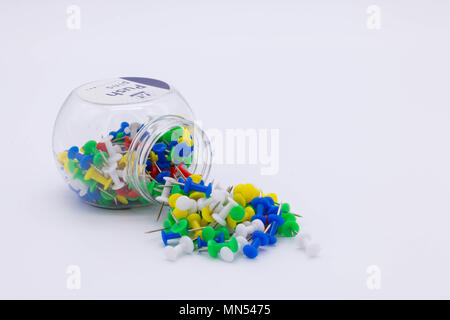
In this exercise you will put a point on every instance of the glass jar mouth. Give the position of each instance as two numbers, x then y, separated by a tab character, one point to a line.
151	133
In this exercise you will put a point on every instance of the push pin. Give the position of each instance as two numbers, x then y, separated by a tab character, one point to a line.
221	216
186	204
184	246
164	197
246	230
258	239
189	186
304	243
93	174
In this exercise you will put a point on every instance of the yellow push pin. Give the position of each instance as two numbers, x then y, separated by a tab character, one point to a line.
93	174
122	199
271	195
196	178
173	199
207	214
197	195
179	214
239	198
194	223
153	156
63	160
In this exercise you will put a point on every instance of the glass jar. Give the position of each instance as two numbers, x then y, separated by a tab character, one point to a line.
116	140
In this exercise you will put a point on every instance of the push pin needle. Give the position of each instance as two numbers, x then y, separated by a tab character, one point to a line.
161	229
181	173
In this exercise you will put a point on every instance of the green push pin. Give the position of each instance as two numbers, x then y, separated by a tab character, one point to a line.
285	208
224	230
208	233
288	217
237	213
188	161
172	135
171	218
99	158
180	227
289	229
78	174
214	247
167	224
92	184
177	189
142	200
90	147
119	136
72	165
105	203
151	187
106	195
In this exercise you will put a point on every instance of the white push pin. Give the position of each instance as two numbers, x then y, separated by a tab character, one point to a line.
242	242
184	203
304	242
204	202
226	254
220	199
164	197
132	129
110	170
185	245
113	151
244	230
223	213
76	184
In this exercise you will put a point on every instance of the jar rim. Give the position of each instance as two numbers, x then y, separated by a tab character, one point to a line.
142	144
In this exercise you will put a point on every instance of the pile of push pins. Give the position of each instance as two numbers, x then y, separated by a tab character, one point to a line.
96	171
221	222
224	222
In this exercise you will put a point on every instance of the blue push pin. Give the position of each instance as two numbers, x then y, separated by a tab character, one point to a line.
160	177
259	239
148	166
172	144
189	186
201	243
84	160
159	149
163	164
275	221
123	126
220	238
166	236
93	196
73	153
261	205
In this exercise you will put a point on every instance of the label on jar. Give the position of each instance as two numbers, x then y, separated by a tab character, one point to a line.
123	90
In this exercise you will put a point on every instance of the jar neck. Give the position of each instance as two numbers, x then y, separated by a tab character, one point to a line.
151	133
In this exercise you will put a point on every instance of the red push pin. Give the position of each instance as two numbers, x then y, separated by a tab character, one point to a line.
127	142
183	171
101	146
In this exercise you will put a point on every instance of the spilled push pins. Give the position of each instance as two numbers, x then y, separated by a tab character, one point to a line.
202	217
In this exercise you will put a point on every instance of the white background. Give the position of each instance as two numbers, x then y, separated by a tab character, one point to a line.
364	156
